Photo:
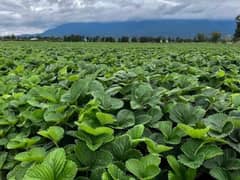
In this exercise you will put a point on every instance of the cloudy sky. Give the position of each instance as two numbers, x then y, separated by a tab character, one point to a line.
34	16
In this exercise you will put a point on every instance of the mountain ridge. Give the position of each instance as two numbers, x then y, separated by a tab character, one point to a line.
172	28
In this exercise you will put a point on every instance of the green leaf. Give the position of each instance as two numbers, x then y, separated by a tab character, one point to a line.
97	173
145	167
165	127
54	167
107	102
116	103
96	86
191	157
141	95
196	152
220	74
219	124
171	135
186	114
55	133
35	154
69	171
143	119
191	174
174	164
3	158
88	113
153	147
78	89
48	93
191	147
156	114
34	116
38	172
210	151
194	133
20	142
125	119
194	163
94	142
236	99
180	172
156	148
95	131
53	116
227	161
105	176
136	132
219	174
216	121
90	128
143	91
105	118
232	164
92	159
117	174
18	172
135	105
120	147
56	160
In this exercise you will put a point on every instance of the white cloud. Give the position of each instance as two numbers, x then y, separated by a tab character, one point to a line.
171	3
19	30
28	16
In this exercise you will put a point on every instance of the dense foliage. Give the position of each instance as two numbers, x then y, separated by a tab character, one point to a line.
236	35
114	112
199	37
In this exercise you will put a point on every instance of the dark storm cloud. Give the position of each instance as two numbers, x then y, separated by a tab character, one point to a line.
33	16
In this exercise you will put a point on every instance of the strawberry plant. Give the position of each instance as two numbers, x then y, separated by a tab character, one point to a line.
112	112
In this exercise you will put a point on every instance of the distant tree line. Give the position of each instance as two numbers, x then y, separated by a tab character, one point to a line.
200	37
214	37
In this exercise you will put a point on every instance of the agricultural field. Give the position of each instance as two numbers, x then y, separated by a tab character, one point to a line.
119	111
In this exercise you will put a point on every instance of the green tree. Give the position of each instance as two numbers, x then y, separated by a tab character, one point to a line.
134	39
237	32
200	37
216	36
124	39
